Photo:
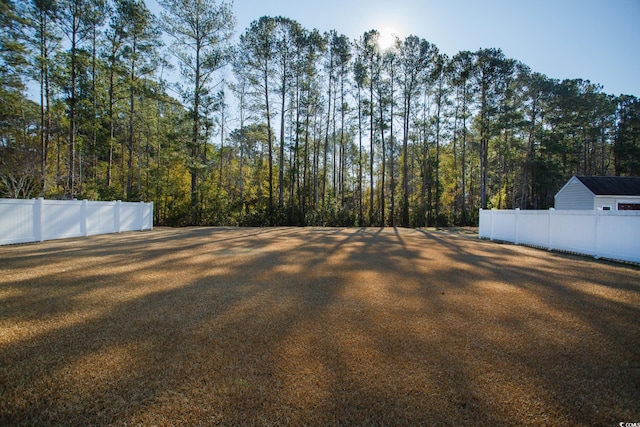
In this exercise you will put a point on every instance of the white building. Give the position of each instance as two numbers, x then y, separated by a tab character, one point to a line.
599	192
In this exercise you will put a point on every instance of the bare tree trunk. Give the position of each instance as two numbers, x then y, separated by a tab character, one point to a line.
282	132
71	178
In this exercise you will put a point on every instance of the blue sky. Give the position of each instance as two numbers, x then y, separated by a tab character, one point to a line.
598	40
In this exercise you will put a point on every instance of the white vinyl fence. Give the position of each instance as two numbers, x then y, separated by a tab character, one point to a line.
601	234
36	220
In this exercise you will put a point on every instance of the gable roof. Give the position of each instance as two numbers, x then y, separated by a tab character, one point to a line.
612	185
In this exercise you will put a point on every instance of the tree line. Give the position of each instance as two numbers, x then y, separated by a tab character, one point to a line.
286	125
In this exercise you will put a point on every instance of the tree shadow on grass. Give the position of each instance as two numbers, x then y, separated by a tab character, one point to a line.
312	326
570	321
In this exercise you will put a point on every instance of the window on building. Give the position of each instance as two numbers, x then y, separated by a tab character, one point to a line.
629	206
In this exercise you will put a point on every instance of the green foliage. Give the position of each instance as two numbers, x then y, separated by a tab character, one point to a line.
325	131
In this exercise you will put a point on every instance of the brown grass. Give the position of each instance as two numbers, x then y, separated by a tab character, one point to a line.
314	326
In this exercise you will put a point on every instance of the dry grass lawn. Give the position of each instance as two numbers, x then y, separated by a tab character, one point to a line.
314	326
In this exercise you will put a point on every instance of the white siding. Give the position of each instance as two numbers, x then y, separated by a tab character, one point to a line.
601	201
574	196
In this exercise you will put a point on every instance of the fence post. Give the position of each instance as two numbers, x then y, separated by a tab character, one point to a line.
596	249
83	219
516	221
550	230
150	215
141	215
491	230
38	219
116	216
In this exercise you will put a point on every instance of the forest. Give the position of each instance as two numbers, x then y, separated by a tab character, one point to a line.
277	124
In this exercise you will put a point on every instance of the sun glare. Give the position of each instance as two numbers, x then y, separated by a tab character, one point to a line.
386	38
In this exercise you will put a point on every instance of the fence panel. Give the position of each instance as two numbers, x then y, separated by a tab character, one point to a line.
18	223
62	219
147	214
609	234
484	225
100	217
504	225
531	228
34	220
574	231
619	236
129	216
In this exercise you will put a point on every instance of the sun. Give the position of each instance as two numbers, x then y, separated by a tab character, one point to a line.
386	38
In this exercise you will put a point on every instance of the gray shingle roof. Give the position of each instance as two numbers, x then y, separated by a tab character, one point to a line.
612	185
